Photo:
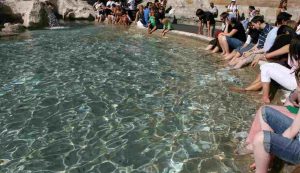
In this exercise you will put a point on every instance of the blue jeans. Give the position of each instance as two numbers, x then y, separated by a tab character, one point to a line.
274	143
242	49
233	42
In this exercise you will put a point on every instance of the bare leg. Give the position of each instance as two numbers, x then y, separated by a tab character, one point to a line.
231	55
226	46
221	42
234	59
255	85
256	127
266	90
262	158
244	61
215	50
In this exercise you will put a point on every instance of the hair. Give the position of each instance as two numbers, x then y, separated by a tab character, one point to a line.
291	23
251	7
295	48
283	16
148	4
234	20
286	29
281	4
224	15
258	19
199	12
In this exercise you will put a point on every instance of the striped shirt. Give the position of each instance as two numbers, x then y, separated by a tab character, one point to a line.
263	35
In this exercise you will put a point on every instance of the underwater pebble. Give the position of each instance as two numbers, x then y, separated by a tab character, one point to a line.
241	135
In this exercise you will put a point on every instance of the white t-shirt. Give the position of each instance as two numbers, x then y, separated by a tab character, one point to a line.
232	8
298	30
131	4
110	3
213	10
270	39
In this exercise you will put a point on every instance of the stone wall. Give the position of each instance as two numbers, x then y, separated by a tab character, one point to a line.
33	14
185	9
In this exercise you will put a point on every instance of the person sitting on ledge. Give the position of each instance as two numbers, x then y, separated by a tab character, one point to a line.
167	26
152	22
259	24
294	51
234	39
214	45
206	18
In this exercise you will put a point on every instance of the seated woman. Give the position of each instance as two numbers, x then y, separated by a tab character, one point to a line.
279	71
234	39
279	136
289	111
139	17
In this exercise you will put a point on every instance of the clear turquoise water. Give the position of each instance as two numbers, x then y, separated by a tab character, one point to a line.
107	99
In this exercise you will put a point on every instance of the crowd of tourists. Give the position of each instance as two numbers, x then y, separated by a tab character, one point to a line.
150	16
276	48
242	40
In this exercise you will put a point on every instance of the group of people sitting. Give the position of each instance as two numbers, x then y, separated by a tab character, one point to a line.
114	12
152	16
276	48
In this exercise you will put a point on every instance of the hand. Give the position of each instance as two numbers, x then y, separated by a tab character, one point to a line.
246	54
255	61
293	99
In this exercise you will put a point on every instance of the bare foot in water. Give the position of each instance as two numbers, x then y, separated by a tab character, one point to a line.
252	167
225	55
237	90
266	100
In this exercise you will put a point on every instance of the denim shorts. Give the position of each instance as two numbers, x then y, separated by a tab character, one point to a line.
242	49
234	43
274	143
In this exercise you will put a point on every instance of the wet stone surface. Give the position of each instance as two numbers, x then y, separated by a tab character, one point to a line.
105	99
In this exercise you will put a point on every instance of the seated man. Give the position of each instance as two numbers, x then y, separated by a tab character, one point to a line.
259	24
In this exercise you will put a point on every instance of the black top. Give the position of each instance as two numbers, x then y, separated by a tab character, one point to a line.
207	16
254	34
240	34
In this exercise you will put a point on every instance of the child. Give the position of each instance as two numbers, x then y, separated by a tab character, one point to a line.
152	23
167	26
